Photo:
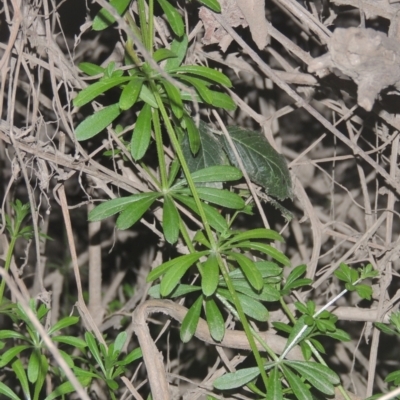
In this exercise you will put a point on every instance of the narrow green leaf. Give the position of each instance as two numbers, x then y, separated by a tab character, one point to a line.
274	390
214	218
295	274
267	249
111	207
170	220
63	323
90	68
130	93
209	279
299	388
147	96
120	341
95	89
174	18
236	379
178	47
6	391
222	100
20	372
9	355
259	233
181	290
67	358
43	369
95	123
295	336
220	197
249	269
134	355
213	4
33	367
174	97
8	334
190	321
141	133
134	212
66	388
163	54
268	293
215	320
94	350
104	19
187	260
200	85
199	237
193	134
205	72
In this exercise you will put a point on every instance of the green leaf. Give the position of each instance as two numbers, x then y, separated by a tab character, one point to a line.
141	133
174	98
9	355
339	334
170	220
104	19
190	321
130	93
267	249
43	368
134	212
67	387
6	391
220	197
385	328
90	68
209	278
320	376
163	54
364	291
148	97
251	307
8	334
274	389
111	207
95	123
222	100
33	366
63	323
181	290
236	379
267	269
184	261
346	274
200	85
215	320
112	384
213	4
205	72
299	388
134	355
259	233
67	358
216	173
95	89
294	275
263	164
174	18
214	218
178	47
192	133
19	371
268	293
295	336
94	350
199	237
120	341
249	269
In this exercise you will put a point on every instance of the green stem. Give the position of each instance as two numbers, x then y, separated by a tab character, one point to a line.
160	149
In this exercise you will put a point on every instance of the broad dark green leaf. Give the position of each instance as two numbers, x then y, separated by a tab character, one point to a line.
213	4
181	290
190	321
111	207
104	19
267	249
236	379
131	214
215	320
192	134
274	390
95	123
318	375
251	307
95	89
90	68
214	218
174	18
163	54
174	98
205	72
178	47
141	133
186	260
259	233
130	93
170	220
210	153
209	279
299	388
249	269
264	165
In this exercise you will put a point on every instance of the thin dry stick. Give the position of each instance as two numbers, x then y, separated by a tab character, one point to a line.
46	338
